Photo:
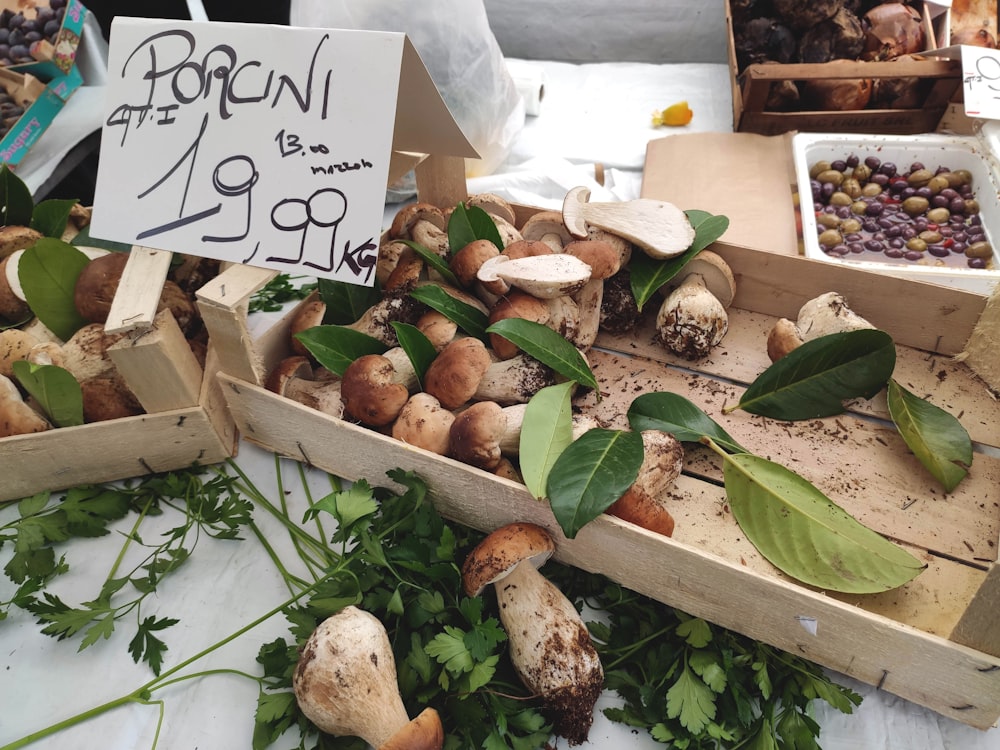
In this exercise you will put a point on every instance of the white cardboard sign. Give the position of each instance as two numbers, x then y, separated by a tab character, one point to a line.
981	82
265	145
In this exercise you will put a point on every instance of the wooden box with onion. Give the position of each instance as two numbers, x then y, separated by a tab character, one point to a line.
839	67
137	355
932	640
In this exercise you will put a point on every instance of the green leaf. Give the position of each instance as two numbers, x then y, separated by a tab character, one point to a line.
418	348
433	260
691	701
548	347
48	271
647	275
936	437
345	303
592	472
50	217
814	379
15	199
470	319
335	346
546	430
671	412
55	389
83	239
803	533
448	648
468	224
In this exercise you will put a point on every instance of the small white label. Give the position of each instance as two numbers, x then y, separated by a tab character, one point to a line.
808	623
981	82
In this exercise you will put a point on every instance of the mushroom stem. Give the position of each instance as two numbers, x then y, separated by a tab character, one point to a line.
691	320
514	381
345	683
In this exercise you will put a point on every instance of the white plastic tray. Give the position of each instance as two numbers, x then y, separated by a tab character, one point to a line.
954	152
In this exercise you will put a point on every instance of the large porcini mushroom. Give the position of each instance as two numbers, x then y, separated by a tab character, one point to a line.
515	305
547	227
514	380
475	435
550	646
821	316
15	344
454	375
13	306
693	317
542	276
294	378
423	422
16	416
643	502
604	261
345	683
370	391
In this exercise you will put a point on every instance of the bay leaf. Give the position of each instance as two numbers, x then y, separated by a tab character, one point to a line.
936	437
546	430
548	347
470	319
806	535
671	412
55	389
345	303
468	224
418	348
647	274
433	260
16	202
815	379
592	472
48	271
335	347
50	216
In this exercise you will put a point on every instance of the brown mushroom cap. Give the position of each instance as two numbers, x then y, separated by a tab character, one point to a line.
466	262
475	435
602	258
494	205
547	227
423	422
12	306
407	216
715	273
783	338
107	397
515	305
643	502
369	393
439	329
455	373
96	286
423	733
16	416
307	315
500	552
288	369
527	249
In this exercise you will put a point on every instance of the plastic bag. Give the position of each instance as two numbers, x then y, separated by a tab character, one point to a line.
454	39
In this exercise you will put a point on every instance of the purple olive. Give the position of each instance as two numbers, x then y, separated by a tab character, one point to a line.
893	252
938	251
977	263
873	162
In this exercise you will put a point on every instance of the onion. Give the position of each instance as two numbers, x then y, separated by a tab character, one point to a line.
836	94
892	29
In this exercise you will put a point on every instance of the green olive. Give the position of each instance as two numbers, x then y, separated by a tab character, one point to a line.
919	178
981	249
954	179
971	207
861	173
937	183
964	175
930	237
915	205
858	208
939	215
830	238
851	186
917	244
830	221
871	190
830	175
820	166
849	226
841	198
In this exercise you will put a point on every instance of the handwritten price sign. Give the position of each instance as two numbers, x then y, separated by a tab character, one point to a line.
264	145
981	82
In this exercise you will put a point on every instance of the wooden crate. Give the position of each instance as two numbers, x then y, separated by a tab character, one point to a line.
932	641
186	419
750	92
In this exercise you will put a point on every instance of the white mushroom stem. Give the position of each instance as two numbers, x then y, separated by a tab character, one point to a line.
514	381
345	683
510	440
404	374
691	320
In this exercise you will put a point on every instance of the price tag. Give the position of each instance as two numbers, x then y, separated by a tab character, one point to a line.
981	82
258	144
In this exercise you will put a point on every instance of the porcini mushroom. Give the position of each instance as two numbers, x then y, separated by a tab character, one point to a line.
550	646
345	683
693	317
370	393
604	261
423	422
475	435
542	276
643	502
454	375
821	316
514	380
16	416
294	378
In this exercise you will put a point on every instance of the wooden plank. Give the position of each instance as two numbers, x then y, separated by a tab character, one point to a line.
159	366
978	626
982	351
138	295
108	451
441	180
953	680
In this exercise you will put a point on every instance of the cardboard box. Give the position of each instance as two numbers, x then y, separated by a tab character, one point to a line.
55	54
752	86
41	110
185	423
932	641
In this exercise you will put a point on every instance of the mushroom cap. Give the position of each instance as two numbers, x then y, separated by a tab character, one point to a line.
409	215
503	550
515	305
466	262
643	502
828	313
288	369
439	329
423	422
107	397
475	435
547	227
307	315
15	345
715	273
543	276
96	286
601	256
16	416
783	338
14	237
494	205
369	393
423	733
453	376
526	248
